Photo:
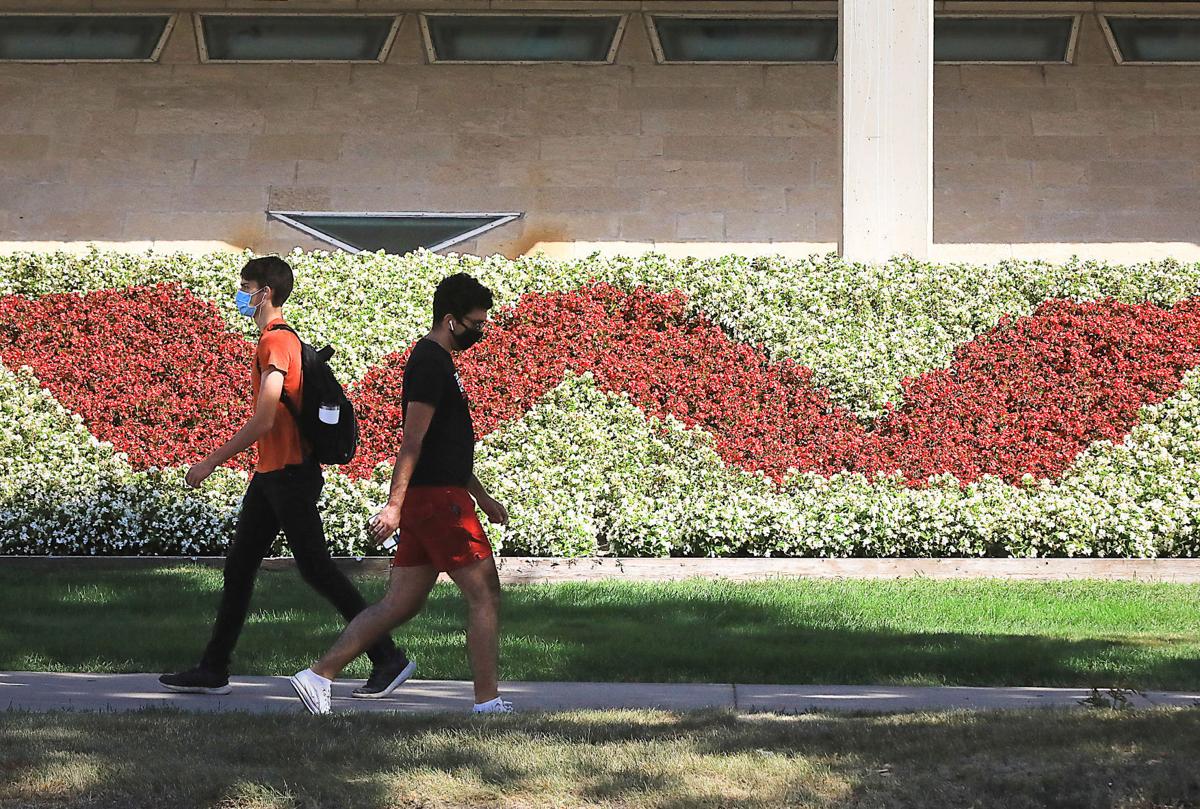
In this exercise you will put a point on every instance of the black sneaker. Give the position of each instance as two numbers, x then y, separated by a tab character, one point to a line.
197	681
386	678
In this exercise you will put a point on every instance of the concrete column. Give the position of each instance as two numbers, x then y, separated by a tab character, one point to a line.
885	77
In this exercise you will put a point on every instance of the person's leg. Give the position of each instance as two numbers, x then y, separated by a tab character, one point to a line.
257	528
407	591
295	501
480	586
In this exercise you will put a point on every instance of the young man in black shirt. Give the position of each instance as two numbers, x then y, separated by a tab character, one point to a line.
431	507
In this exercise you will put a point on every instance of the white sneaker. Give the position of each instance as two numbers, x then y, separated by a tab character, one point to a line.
496	705
314	691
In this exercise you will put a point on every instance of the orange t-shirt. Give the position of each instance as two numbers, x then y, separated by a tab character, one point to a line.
282	445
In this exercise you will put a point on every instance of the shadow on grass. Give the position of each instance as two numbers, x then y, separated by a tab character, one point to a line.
159	619
627	758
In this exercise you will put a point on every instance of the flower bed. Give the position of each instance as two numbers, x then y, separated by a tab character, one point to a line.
151	370
625	413
1025	398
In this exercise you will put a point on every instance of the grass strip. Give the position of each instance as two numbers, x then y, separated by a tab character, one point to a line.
624	758
901	632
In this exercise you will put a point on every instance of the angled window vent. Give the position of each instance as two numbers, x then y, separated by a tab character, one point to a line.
1005	39
295	37
757	40
521	38
83	37
397	232
1153	40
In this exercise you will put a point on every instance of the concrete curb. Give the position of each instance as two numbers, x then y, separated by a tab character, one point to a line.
26	691
535	570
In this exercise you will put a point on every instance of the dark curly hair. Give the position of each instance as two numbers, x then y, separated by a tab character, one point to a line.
458	294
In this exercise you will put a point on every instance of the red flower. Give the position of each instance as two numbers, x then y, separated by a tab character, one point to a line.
1025	398
166	383
1034	392
150	369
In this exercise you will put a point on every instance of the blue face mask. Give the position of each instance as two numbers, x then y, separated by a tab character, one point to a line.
242	299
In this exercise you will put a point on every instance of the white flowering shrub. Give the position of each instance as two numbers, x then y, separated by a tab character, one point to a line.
63	492
588	472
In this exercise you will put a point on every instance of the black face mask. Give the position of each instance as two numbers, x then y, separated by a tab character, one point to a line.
465	338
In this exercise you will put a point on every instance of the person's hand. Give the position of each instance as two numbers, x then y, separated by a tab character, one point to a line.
384	524
495	511
198	473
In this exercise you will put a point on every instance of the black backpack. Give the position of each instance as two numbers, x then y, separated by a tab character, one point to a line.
325	416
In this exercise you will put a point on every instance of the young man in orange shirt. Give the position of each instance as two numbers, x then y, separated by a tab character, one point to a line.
431	507
283	493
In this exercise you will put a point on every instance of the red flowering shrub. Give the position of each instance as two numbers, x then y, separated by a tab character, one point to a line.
764	415
1034	392
150	369
1027	397
165	382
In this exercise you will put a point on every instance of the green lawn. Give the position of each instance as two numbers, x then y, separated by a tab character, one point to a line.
849	631
1093	758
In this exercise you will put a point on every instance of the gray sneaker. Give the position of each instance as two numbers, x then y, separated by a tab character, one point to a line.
386	678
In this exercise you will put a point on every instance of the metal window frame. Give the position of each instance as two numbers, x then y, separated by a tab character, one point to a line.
661	58
288	218
1072	42
384	52
172	18
1116	49
432	57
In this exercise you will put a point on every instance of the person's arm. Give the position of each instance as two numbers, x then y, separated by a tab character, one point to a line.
494	510
270	391
416	425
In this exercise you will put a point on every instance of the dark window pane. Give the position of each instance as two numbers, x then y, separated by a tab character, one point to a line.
764	40
286	38
1157	39
80	37
522	38
392	234
1002	39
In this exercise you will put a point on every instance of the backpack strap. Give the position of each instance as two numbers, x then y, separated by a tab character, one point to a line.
284	327
287	402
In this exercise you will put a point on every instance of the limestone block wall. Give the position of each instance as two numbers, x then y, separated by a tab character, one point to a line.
1089	158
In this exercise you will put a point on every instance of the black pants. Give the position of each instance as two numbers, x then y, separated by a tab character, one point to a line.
284	499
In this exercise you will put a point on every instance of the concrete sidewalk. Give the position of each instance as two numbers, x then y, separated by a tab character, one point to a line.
127	692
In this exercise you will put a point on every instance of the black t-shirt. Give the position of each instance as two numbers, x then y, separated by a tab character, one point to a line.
448	451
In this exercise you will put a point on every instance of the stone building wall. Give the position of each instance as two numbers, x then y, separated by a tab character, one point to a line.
1090	158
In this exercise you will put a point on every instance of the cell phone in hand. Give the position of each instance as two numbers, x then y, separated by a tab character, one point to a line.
391	542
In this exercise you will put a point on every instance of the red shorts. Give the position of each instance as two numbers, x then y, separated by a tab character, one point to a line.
438	527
